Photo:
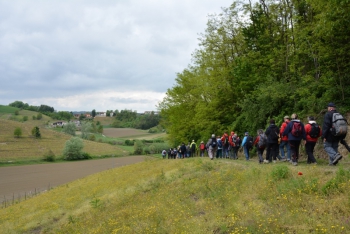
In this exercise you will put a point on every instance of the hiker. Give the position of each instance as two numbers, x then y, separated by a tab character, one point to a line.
183	150
296	132
193	147
331	136
313	132
284	140
247	144
202	149
272	133
231	146
225	145
164	153
260	143
212	146
219	151
188	150
235	145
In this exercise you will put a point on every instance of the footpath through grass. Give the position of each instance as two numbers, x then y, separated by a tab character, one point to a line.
192	196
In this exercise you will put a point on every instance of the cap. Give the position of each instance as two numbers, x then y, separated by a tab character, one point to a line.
286	117
331	104
212	135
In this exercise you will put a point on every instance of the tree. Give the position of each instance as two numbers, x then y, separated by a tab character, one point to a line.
86	128
93	113
18	132
69	128
36	132
73	149
39	116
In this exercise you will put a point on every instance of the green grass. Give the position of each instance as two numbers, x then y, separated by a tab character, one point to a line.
191	196
7	109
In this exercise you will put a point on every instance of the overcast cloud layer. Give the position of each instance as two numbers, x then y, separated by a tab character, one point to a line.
83	54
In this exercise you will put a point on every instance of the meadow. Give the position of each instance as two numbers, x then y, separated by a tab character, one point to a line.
193	195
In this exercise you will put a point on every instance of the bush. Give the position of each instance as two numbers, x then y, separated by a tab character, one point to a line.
49	156
138	147
129	142
25	118
36	132
18	132
91	137
69	128
73	149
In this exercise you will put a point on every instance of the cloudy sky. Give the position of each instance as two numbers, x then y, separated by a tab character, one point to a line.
80	55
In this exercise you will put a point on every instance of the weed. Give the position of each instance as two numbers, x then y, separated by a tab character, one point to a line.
280	172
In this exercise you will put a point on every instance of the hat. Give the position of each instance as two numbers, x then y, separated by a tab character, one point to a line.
246	133
286	117
202	142
331	104
192	140
212	135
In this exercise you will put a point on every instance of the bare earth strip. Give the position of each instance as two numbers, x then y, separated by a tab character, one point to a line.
20	180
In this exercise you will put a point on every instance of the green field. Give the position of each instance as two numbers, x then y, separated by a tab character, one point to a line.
192	196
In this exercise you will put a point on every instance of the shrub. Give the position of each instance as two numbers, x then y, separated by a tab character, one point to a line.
49	156
69	128
91	137
18	132
39	116
129	142
25	118
138	147
36	132
73	149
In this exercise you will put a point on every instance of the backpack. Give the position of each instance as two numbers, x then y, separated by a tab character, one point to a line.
214	143
226	141
262	141
193	147
238	142
315	130
274	135
202	146
219	143
296	129
249	143
339	125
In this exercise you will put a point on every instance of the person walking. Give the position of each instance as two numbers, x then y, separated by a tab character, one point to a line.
225	145
330	135
247	144
284	140
202	149
193	147
219	151
313	132
212	146
260	143
296	132
272	133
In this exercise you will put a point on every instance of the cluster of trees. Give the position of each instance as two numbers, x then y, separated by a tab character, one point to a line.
260	61
44	109
131	119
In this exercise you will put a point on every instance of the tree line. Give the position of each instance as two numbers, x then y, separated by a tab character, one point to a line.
257	61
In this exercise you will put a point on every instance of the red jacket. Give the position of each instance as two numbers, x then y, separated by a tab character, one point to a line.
223	139
307	132
230	139
283	126
256	140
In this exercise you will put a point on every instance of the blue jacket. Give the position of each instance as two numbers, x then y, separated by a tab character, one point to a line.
288	131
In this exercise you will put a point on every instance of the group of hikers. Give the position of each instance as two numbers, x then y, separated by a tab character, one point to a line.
275	140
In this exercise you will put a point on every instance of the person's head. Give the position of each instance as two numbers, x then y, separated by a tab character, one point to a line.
246	134
235	135
260	131
311	118
286	118
272	121
212	135
294	116
331	106
232	133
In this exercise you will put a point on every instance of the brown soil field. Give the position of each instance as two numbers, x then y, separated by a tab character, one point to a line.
19	181
123	132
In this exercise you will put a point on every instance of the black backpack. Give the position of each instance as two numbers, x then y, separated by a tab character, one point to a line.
226	141
249	143
274	135
214	143
315	130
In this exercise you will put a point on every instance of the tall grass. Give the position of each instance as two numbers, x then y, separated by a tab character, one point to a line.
191	196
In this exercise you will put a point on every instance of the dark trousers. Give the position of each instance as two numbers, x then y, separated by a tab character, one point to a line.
294	149
260	154
271	151
309	147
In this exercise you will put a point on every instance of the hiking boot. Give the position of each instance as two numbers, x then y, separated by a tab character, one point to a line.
266	161
295	164
274	161
336	159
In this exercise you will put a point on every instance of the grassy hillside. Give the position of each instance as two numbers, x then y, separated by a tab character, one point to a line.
28	148
192	196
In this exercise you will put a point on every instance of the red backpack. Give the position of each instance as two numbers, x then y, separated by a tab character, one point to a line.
296	129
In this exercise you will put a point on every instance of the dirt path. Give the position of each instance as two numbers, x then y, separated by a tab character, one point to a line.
17	181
